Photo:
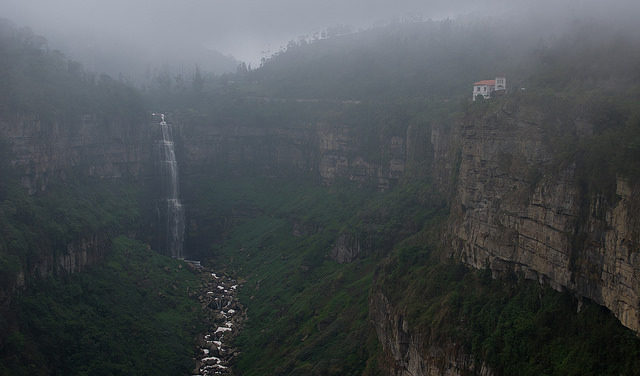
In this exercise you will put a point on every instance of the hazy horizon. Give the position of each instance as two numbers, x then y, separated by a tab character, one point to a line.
123	35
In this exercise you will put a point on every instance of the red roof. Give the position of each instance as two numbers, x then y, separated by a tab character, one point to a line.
485	82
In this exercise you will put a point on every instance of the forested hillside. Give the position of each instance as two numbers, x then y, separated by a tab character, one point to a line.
37	80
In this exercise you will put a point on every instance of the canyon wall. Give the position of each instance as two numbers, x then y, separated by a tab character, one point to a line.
325	152
41	152
514	205
411	353
518	209
76	256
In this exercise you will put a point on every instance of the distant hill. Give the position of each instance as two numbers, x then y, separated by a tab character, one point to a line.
44	82
443	58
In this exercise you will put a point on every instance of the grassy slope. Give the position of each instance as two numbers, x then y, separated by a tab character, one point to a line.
307	313
289	279
131	315
32	226
515	326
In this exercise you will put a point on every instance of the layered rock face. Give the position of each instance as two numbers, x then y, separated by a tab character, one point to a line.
513	211
76	257
512	207
44	152
327	152
209	150
41	153
350	246
343	155
413	353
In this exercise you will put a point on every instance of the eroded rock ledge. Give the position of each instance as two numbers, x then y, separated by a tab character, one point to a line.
410	352
513	211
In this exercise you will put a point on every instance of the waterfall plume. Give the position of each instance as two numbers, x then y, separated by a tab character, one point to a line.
170	201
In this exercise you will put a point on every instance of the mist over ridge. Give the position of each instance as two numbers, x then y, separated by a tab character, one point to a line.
136	39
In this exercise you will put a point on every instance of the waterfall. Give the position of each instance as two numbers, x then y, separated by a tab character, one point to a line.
174	234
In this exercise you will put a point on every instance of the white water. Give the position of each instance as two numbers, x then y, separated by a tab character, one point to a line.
171	192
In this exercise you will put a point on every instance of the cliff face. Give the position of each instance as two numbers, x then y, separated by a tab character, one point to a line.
343	154
413	353
43	152
513	212
327	152
516	208
209	150
512	208
76	257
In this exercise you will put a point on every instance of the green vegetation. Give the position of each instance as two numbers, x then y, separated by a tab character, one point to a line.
614	148
130	315
39	226
43	83
43	88
399	63
514	326
307	313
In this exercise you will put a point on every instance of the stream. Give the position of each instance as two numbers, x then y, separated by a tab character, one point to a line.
224	316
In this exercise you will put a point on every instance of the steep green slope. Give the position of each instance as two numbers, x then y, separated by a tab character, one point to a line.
513	325
307	313
39	228
310	315
130	315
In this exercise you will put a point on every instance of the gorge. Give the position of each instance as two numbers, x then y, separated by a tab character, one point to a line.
400	234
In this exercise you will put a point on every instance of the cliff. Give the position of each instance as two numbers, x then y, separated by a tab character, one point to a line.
326	152
65	231
519	203
411	352
517	208
47	151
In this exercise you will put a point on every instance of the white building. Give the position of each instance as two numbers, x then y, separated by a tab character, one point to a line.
486	87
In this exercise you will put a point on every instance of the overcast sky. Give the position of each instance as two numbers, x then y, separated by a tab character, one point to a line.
242	28
246	29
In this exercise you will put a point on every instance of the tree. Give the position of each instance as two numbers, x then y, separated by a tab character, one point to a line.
198	80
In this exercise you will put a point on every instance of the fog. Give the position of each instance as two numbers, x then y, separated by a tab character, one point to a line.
134	36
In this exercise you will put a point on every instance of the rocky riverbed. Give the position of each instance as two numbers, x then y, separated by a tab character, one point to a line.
224	316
